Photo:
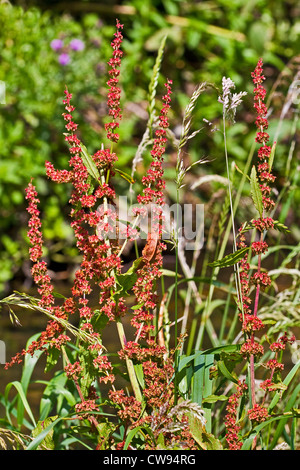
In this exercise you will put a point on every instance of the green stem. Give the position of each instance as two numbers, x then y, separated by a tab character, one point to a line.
129	363
176	299
225	240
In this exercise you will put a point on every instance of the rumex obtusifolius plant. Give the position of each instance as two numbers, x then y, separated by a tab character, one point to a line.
150	406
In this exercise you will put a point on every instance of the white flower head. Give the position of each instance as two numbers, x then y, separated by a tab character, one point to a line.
230	101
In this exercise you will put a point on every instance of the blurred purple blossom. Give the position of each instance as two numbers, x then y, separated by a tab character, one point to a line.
64	59
77	45
56	44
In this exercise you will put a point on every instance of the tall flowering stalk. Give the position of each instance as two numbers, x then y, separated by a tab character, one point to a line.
260	279
251	349
114	94
100	260
152	200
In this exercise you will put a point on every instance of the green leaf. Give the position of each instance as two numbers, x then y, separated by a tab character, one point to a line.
256	192
105	430
248	442
140	374
136	307
52	358
280	227
286	382
214	398
55	391
42	435
124	175
203	438
227	349
229	260
29	365
99	320
160	442
134	431
19	388
47	443
89	163
271	159
127	280
58	295
240	171
224	371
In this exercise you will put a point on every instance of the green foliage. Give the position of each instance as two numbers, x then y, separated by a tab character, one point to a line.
229	260
255	192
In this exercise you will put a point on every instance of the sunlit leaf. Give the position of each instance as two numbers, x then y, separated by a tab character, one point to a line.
229	260
256	192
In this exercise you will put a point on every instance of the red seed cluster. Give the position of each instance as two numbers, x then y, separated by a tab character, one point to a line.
114	93
231	420
152	197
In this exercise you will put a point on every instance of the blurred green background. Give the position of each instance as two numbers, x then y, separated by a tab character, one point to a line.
206	40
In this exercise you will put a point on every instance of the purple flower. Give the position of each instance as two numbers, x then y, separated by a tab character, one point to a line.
64	59
56	44
77	45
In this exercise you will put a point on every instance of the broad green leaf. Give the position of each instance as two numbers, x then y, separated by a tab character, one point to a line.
203	438
140	374
160	442
52	358
42	435
89	163
70	440
256	192
127	280
105	430
248	442
169	273
99	320
229	260
58	295
289	411
229	348
198	379
54	388
47	443
134	267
